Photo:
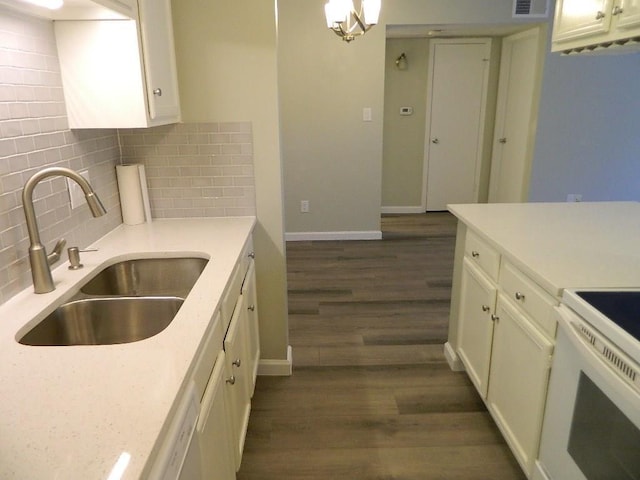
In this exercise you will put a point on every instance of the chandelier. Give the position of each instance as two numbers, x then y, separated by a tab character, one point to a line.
349	23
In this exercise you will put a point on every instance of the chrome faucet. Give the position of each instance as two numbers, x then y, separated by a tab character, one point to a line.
40	261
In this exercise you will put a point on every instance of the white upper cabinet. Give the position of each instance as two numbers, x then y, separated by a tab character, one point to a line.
120	73
579	18
588	25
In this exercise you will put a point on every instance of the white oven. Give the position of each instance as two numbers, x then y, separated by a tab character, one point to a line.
591	428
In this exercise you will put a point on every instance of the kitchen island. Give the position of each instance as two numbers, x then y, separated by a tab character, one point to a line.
512	263
72	412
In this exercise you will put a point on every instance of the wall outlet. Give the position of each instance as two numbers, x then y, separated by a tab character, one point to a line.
76	195
574	197
304	206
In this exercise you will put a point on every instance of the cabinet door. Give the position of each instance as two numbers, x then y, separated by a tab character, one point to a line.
159	59
253	332
214	428
475	327
520	365
581	18
237	382
629	16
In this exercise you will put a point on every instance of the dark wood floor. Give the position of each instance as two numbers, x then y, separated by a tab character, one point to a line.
371	396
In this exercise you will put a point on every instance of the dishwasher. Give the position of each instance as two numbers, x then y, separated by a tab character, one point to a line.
179	457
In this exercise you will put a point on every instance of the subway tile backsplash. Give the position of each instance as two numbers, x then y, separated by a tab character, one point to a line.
193	170
35	135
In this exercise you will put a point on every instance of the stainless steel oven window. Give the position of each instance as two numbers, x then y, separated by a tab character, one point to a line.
603	442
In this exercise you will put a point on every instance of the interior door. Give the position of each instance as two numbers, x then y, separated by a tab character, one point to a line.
456	96
515	117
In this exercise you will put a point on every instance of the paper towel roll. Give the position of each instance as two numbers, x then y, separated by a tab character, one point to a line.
132	195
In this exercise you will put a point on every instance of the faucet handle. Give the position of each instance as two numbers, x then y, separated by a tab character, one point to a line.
54	256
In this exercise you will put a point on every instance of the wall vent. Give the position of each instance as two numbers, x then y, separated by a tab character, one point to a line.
530	8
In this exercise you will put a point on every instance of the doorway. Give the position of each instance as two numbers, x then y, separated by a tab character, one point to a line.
403	172
457	90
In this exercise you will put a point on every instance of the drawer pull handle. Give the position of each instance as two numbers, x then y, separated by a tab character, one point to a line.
495	318
251	308
252	255
236	362
475	254
486	308
231	380
519	296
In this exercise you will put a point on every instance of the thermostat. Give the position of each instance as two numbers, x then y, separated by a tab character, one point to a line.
406	110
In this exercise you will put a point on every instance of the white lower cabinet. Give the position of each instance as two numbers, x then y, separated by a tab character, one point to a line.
505	341
475	329
214	428
238	378
250	297
518	379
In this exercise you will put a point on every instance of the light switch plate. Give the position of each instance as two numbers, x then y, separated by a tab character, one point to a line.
76	195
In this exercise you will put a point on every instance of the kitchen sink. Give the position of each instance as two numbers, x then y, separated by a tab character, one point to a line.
147	276
104	321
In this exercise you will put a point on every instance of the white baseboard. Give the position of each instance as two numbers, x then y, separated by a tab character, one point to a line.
453	359
307	236
277	368
392	210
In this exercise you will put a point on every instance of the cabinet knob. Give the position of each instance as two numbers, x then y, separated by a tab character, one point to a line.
236	362
231	380
486	308
503	140
157	92
519	296
617	10
494	318
252	255
435	141
600	15
475	254
251	308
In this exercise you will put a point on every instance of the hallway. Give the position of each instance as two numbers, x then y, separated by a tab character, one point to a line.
371	396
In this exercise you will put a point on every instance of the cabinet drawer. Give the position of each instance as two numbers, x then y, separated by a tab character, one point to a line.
230	296
246	257
532	299
483	255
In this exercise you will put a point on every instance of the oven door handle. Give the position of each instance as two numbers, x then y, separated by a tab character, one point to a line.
626	378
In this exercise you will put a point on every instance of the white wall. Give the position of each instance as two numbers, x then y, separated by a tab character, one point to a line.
226	55
331	157
588	139
403	138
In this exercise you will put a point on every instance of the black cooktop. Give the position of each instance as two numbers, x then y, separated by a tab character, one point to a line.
622	308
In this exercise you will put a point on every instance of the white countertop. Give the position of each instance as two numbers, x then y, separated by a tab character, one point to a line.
70	412
564	245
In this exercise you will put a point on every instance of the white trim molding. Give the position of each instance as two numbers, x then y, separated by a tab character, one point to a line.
453	359
410	209
306	236
277	368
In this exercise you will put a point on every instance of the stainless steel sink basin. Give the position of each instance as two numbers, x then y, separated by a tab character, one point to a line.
104	321
147	276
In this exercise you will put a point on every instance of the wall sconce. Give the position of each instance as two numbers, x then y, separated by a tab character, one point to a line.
348	22
401	62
